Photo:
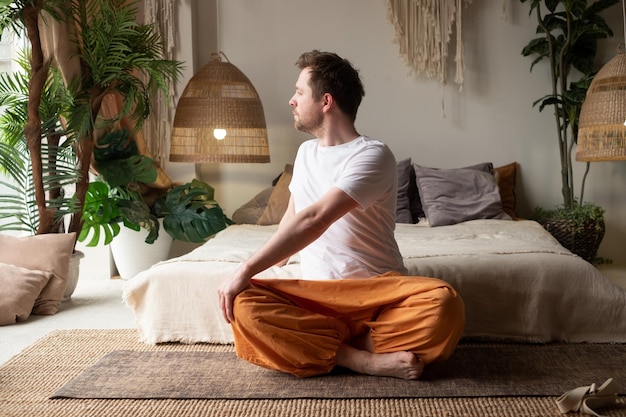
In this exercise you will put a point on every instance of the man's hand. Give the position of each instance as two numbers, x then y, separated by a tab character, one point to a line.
228	290
295	231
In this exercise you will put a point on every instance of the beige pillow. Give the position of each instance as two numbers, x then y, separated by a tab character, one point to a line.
50	253
20	287
279	200
252	211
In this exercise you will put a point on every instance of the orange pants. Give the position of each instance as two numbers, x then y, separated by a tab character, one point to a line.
297	326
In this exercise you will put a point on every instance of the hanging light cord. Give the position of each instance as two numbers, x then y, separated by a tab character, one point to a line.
217	20
624	19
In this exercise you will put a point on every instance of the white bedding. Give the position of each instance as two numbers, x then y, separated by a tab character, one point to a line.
517	282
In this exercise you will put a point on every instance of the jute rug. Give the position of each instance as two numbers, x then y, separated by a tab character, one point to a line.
475	370
29	379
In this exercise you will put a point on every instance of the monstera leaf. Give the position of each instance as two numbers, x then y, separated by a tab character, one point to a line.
120	172
191	214
118	161
136	215
106	208
116	144
101	215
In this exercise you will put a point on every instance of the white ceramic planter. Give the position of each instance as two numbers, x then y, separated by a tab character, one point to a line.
132	254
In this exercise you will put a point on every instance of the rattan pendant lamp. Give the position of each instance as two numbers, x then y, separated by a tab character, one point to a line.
602	121
219	117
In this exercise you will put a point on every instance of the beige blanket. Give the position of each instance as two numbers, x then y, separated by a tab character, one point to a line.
517	282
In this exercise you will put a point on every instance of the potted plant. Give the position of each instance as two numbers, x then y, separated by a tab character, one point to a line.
569	32
121	196
108	56
18	206
102	55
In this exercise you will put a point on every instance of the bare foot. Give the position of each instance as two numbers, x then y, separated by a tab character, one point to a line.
404	365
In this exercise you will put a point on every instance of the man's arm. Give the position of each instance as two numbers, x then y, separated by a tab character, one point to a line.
289	213
296	231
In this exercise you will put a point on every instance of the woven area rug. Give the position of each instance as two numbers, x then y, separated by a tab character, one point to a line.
29	379
475	370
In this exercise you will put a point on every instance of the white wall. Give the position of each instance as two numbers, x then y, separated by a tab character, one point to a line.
491	119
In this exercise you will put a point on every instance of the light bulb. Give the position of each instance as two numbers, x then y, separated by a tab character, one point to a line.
219	134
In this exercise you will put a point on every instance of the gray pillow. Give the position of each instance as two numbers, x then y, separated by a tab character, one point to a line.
417	211
451	196
403	213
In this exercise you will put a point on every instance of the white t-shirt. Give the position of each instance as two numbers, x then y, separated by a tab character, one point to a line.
361	244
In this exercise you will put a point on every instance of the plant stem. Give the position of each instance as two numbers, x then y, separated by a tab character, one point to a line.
32	129
582	184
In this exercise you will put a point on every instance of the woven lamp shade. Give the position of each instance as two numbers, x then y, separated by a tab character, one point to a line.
219	98
601	130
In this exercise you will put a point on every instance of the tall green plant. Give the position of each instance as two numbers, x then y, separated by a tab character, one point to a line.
18	208
19	16
569	32
117	56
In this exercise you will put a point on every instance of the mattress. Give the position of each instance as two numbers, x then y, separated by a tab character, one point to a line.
518	284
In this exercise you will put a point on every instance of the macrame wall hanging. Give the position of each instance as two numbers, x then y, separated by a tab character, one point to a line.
424	30
158	128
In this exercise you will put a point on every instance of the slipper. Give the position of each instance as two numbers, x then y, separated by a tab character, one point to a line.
587	399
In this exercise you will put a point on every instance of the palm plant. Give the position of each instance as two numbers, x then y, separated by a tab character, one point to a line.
18	16
117	57
19	208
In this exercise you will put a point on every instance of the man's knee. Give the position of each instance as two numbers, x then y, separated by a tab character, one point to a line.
451	305
249	304
450	322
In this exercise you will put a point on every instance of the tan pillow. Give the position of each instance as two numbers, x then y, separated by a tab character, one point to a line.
506	184
279	200
20	287
252	211
50	253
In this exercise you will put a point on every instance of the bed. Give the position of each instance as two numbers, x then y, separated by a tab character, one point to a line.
518	283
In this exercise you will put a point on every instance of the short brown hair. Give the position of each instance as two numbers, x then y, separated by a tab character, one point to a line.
334	75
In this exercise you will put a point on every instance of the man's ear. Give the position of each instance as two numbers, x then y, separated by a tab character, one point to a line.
328	101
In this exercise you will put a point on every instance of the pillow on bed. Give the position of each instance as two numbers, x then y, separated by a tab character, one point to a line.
279	199
250	212
403	211
417	211
451	196
51	253
20	289
506	175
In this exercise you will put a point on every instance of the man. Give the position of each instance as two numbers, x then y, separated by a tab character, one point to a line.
354	307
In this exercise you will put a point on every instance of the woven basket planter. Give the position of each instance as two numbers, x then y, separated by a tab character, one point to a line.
583	240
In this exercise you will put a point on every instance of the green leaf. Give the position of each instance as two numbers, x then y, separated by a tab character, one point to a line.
120	54
570	33
121	172
116	144
137	215
579	213
101	215
191	213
